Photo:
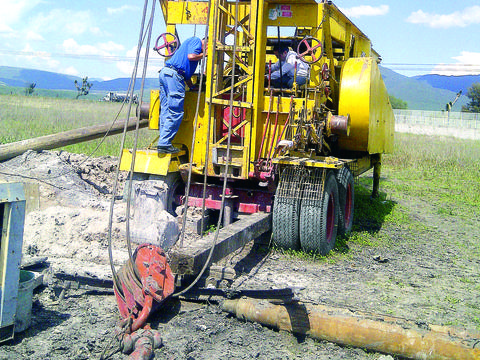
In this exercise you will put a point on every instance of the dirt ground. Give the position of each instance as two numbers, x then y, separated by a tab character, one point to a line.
427	272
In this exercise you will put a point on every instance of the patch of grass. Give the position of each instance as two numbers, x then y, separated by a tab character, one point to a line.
340	251
451	323
399	216
442	171
473	306
370	213
363	238
301	255
452	300
211	229
476	320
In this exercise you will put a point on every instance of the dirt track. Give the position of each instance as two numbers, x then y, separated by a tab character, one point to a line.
426	271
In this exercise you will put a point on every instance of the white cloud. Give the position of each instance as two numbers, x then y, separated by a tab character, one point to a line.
366	10
4	28
467	16
111	46
103	49
155	62
12	14
121	9
14	10
39	59
468	64
467	57
70	71
125	67
33	36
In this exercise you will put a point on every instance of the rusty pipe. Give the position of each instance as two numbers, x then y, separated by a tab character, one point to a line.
143	111
48	142
384	334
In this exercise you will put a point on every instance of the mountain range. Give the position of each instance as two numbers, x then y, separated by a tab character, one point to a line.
452	83
425	92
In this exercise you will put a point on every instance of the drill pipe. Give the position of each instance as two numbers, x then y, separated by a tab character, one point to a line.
385	334
48	142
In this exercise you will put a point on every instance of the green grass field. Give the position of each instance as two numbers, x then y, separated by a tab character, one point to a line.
444	171
26	117
59	94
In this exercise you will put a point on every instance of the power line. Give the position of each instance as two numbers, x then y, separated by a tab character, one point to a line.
38	54
418	66
410	67
438	64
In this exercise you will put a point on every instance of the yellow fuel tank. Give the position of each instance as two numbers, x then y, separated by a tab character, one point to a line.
364	97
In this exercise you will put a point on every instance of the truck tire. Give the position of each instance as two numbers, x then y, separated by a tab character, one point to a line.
346	197
286	209
285	223
319	217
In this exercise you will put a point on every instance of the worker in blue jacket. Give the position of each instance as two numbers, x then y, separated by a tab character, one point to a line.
177	72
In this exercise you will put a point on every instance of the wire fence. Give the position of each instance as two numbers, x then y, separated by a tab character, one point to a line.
458	120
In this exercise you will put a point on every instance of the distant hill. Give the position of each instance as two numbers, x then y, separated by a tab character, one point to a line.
419	95
452	83
12	76
416	91
121	84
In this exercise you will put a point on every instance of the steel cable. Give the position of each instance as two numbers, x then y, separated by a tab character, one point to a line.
190	166
114	191
217	231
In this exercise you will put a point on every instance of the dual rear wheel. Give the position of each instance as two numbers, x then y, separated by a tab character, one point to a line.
311	207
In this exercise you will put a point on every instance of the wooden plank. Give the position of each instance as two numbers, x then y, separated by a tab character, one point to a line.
11	240
190	259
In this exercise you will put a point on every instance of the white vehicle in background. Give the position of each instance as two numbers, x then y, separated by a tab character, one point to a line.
119	97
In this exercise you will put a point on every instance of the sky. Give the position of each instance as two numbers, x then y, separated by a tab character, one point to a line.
99	38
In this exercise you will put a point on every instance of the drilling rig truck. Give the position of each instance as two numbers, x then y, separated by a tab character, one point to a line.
292	151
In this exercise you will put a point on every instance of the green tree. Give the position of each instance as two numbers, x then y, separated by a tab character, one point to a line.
30	89
84	88
474	96
398	103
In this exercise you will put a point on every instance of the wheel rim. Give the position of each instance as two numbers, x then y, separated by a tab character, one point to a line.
330	217
176	190
348	205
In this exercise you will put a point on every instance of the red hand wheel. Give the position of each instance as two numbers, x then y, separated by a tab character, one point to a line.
166	44
311	44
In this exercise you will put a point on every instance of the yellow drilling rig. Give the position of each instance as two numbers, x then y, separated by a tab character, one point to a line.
293	151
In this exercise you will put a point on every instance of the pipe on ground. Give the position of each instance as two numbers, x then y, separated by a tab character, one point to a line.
379	333
48	142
